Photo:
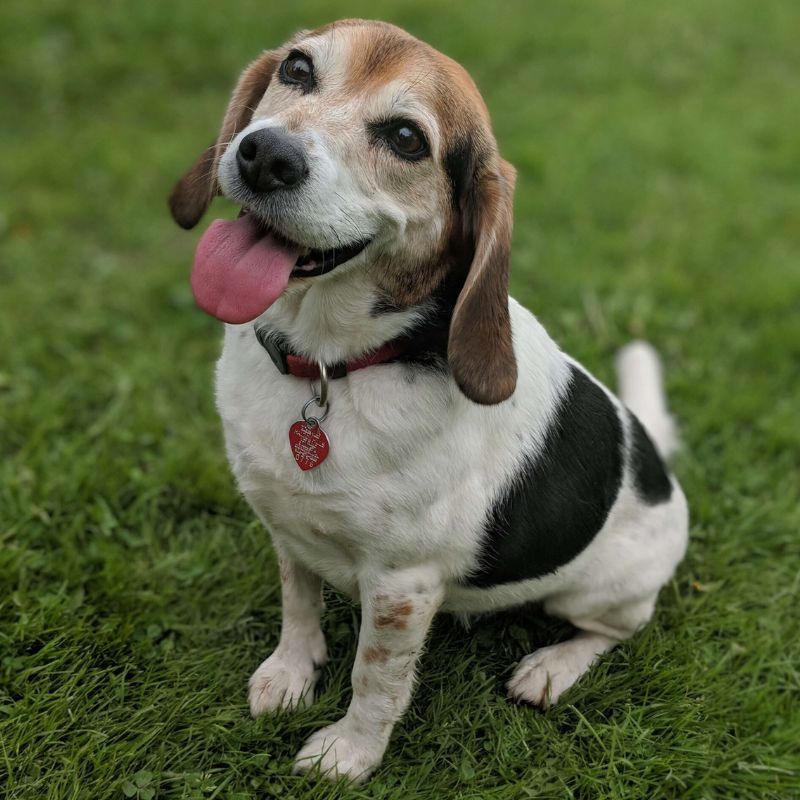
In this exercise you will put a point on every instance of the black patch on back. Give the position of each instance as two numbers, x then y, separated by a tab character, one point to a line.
561	498
650	477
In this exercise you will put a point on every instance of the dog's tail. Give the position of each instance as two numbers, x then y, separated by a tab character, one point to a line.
641	388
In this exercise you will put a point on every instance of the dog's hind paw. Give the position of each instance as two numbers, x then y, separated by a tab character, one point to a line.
543	676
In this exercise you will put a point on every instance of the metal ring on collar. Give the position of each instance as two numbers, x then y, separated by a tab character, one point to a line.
314	420
323	385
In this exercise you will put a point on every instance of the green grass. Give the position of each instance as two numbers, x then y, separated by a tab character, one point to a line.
658	196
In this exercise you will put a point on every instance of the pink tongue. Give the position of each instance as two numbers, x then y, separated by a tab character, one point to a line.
238	272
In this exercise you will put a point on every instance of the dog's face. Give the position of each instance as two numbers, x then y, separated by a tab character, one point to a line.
357	147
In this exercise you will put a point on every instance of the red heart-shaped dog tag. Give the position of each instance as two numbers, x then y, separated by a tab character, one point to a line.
309	443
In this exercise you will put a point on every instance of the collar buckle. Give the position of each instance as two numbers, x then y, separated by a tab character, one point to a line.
273	349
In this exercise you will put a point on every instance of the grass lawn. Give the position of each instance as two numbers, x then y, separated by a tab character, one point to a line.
659	195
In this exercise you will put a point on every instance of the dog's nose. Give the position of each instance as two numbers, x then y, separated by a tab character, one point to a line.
271	158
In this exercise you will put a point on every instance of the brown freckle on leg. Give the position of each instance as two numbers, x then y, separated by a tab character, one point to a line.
395	616
376	654
285	571
385	621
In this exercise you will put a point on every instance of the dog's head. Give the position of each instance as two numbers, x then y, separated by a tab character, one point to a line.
356	147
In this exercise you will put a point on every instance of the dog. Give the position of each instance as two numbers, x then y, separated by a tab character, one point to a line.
406	431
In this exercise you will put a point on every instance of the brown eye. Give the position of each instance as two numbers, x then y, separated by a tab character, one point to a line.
404	137
407	140
298	69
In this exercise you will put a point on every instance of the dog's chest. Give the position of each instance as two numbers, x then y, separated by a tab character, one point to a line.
401	481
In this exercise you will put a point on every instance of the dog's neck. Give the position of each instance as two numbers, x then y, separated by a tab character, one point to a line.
342	316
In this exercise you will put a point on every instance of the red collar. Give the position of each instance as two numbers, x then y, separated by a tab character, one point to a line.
290	364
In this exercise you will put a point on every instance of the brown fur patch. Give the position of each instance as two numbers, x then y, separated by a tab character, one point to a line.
395	615
378	55
464	124
376	655
480	349
408	286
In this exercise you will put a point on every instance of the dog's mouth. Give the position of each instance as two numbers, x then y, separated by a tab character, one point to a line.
319	262
242	266
313	261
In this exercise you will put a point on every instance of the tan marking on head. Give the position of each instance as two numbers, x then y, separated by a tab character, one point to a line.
379	54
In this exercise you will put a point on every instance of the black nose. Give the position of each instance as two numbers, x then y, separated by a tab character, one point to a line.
271	158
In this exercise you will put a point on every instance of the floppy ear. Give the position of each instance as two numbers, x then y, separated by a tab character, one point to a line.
193	193
480	349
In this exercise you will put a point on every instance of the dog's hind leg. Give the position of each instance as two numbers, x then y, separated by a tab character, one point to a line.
543	676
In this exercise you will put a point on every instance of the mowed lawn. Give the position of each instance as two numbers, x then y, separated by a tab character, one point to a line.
659	196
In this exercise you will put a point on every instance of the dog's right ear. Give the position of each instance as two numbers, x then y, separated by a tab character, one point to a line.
192	194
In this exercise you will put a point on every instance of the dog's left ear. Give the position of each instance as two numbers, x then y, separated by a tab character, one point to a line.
480	349
193	193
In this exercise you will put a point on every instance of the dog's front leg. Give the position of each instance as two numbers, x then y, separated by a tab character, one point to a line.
287	678
396	613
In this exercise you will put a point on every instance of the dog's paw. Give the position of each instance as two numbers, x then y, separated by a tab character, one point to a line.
281	684
337	752
542	677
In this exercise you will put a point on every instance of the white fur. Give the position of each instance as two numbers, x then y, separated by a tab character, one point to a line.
641	388
287	678
400	504
306	215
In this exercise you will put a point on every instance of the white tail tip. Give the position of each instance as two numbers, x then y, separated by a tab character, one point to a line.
641	388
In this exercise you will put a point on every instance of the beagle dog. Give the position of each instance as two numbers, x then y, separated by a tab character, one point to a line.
406	431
